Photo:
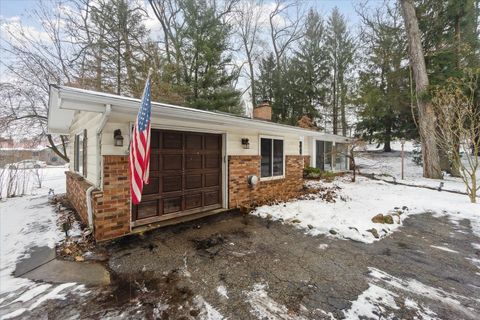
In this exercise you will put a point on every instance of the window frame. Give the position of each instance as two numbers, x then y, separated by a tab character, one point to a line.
78	166
272	138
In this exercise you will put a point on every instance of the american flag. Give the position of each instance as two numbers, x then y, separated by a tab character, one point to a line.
140	147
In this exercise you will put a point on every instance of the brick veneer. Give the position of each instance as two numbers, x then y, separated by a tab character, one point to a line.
241	194
111	206
76	193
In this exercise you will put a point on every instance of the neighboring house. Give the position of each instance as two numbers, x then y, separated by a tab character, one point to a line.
16	154
201	161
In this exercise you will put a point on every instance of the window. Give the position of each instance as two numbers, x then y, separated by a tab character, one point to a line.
80	150
324	155
341	158
272	157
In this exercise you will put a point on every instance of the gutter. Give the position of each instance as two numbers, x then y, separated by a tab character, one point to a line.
103	121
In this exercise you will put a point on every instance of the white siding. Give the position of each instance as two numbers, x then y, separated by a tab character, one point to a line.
89	121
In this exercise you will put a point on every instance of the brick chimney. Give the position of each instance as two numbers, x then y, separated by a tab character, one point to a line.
263	111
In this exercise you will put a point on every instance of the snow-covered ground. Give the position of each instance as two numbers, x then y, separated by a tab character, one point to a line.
350	216
26	222
388	165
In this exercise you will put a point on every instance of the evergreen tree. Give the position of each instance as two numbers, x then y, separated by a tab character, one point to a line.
312	64
340	47
384	82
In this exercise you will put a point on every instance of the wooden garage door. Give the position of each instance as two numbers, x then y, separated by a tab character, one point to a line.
185	176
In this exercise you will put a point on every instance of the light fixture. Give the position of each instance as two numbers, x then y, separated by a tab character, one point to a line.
245	143
117	136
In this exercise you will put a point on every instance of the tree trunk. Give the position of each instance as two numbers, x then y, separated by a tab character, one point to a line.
387	139
426	115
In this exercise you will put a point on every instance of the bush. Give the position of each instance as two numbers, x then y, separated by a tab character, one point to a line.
315	173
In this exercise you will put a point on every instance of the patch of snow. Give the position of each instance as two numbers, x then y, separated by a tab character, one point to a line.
351	219
371	302
452	300
322	246
422	311
444	249
27	222
476	246
207	311
264	307
222	291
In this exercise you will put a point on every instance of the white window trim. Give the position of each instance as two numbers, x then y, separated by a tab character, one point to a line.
75	153
260	137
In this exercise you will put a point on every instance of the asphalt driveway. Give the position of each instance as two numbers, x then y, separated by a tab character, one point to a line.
240	267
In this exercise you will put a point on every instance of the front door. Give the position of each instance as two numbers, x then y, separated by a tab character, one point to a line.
185	176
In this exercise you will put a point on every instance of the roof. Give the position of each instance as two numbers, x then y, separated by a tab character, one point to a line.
65	101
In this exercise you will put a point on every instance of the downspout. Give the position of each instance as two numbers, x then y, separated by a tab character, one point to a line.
103	121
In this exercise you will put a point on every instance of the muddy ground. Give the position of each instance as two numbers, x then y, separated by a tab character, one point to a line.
251	268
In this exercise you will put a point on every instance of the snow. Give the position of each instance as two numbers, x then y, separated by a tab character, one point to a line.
387	166
222	291
207	311
372	302
27	222
444	249
349	217
264	307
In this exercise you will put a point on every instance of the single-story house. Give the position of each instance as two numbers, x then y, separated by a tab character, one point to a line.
202	162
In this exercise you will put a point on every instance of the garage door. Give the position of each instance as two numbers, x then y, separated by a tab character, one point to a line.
185	176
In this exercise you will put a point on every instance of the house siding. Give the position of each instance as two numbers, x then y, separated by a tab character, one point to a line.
89	121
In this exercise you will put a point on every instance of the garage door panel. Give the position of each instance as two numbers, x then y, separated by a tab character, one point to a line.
213	142
212	161
193	201
193	141
147	209
151	187
171	205
172	140
172	183
193	181
193	161
212	179
172	161
211	197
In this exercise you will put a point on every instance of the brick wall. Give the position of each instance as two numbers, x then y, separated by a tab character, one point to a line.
111	206
241	194
76	193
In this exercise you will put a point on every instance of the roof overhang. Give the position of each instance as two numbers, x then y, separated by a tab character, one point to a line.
65	101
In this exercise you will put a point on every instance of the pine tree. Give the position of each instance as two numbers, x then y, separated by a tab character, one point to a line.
384	82
340	47
312	64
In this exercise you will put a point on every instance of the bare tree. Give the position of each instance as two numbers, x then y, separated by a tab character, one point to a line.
39	58
247	18
426	114
458	119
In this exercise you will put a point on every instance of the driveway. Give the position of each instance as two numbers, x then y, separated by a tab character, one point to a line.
239	267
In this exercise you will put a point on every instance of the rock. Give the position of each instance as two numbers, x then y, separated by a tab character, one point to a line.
295	221
310	226
388	219
404	208
333	232
374	232
353	228
378	218
269	216
79	259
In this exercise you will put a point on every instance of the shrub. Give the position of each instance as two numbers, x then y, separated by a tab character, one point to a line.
315	173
